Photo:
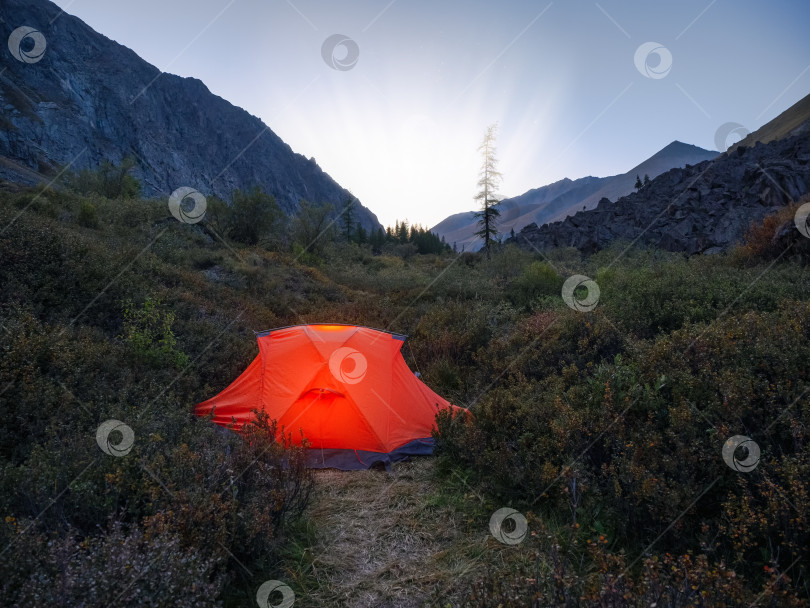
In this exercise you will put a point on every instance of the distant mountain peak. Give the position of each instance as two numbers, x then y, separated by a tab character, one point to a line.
701	208
555	201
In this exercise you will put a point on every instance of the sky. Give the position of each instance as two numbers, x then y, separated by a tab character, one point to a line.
392	97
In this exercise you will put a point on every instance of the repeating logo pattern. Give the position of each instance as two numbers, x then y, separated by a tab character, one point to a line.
724	133
513	537
21	38
586	304
657	68
179	205
348	365
267	588
802	220
123	447
741	453
334	59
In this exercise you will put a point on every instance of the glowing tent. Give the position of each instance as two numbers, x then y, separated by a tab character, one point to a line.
347	387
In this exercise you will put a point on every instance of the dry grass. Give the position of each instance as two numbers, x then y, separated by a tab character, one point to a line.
387	539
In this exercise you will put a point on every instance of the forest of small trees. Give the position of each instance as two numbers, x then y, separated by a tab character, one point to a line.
253	217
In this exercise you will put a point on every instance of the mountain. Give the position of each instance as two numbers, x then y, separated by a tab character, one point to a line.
556	201
790	122
703	208
89	99
460	228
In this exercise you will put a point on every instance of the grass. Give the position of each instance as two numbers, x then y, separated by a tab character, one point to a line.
408	538
600	428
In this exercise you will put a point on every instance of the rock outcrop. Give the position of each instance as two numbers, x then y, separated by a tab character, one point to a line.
703	208
89	99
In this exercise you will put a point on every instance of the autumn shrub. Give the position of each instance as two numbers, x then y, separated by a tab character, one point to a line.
638	426
776	237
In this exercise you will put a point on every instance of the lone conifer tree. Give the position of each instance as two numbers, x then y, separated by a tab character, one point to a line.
488	182
348	219
638	183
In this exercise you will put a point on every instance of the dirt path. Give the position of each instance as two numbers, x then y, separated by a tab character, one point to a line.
385	539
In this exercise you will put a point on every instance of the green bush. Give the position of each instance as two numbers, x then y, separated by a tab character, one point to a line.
538	279
108	180
641	437
88	215
252	216
148	332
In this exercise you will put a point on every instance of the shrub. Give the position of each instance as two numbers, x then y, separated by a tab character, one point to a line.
640	436
776	236
88	215
119	566
252	216
538	279
108	180
148	331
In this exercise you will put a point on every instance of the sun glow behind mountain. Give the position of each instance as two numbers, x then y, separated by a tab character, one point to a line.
400	127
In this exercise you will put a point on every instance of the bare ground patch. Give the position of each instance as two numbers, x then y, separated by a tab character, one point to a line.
385	539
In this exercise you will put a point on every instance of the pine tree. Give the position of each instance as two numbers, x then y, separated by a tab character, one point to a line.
488	182
402	231
638	183
646	180
348	219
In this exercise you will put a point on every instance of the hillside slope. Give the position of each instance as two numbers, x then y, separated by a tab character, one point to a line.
792	121
90	99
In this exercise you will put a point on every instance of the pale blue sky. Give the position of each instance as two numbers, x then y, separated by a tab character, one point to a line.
400	129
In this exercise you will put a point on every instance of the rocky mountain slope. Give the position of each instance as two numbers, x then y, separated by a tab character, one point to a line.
701	208
790	122
556	201
69	95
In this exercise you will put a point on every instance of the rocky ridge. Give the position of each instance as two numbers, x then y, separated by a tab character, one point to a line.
702	208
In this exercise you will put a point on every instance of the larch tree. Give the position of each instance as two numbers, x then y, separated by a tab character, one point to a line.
487	215
348	219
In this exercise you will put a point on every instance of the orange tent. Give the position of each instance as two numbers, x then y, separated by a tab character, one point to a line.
346	387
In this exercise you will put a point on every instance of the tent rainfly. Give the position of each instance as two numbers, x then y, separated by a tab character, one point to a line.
346	387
